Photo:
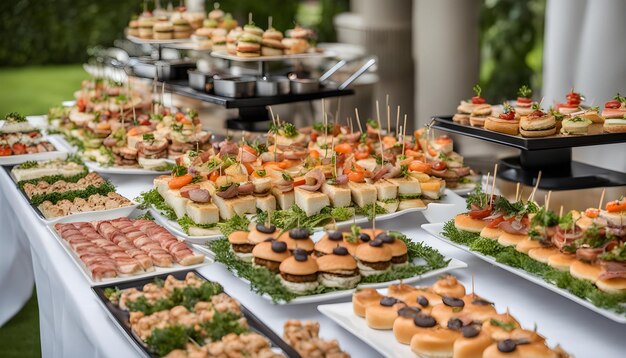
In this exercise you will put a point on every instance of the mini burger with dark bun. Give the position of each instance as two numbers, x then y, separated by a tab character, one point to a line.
338	269
373	258
537	124
298	273
240	245
270	254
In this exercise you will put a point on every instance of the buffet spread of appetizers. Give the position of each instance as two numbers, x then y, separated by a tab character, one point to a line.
527	119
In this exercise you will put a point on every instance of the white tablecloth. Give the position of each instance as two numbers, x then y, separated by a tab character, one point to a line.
73	324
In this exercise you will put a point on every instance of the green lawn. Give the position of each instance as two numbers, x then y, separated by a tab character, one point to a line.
20	336
32	90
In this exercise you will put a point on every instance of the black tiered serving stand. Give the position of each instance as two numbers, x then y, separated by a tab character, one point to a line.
551	155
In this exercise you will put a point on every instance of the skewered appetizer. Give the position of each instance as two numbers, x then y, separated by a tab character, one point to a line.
575	125
506	122
572	104
435	324
537	124
615	115
586	246
297	40
272	43
189	317
441	160
524	101
249	43
18	137
480	111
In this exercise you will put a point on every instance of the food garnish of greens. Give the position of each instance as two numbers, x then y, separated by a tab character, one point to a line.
477	197
70	195
152	198
525	92
179	170
14	117
563	279
367	210
296	217
263	281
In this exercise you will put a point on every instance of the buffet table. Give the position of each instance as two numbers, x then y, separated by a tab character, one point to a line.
73	324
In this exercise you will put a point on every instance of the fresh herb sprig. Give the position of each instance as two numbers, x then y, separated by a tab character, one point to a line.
294	216
152	198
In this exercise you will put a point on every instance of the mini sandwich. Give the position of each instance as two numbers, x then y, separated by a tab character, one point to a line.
585	271
145	26
240	245
561	261
312	202
133	27
384	313
261	232
363	193
615	125
520	348
298	273
507	122
298	41
575	126
231	40
163	30
329	242
373	258
411	321
537	124
614	114
364	298
338	269
591	114
270	254
523	105
479	115
272	43
472	343
339	195
298	238
464	222
249	43
543	254
399	251
218	37
438	342
182	28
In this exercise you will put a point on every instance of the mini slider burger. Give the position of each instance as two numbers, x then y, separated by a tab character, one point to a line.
182	28
506	122
398	248
329	242
436	342
338	269
231	40
272	43
411	321
240	245
163	29
249	43
133	27
298	273
260	232
218	37
537	124
575	126
270	254
373	258
364	298
298	238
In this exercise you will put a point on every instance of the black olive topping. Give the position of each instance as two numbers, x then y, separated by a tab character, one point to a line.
265	229
335	236
424	320
279	246
470	331
376	243
340	250
300	255
507	346
409	312
299	234
455	324
269	239
364	237
423	301
453	301
385	238
388	301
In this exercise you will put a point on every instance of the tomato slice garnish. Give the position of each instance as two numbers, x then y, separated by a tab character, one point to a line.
495	222
509	116
524	100
592	213
478	100
356	177
613	104
480	214
439	165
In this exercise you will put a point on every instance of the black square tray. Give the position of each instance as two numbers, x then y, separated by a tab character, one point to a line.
121	317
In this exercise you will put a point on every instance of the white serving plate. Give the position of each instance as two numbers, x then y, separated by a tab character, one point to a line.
109	214
59	153
383	341
436	229
96	167
300	56
107	281
141	41
446	206
464	189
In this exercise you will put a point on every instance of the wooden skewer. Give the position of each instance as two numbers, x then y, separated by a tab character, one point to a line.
351	126
272	114
493	185
404	134
269	22
325	135
561	211
397	121
378	116
601	199
374	219
269	218
388	120
532	193
548	200
517	192
358	120
487	187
